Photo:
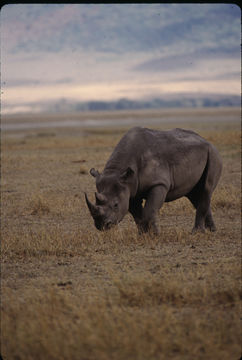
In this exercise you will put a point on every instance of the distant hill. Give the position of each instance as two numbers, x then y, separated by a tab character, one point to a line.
168	101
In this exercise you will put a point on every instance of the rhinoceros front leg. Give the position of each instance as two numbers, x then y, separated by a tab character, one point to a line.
136	210
155	199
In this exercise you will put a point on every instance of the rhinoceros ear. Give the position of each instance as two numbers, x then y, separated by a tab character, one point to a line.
94	173
127	174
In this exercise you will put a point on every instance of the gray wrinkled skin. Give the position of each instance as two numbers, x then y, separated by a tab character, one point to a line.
158	166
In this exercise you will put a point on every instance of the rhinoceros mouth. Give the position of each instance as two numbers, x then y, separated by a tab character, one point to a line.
105	226
108	225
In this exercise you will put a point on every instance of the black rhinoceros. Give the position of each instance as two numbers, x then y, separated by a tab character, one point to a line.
158	166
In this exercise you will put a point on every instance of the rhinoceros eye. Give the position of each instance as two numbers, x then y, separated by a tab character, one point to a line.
115	206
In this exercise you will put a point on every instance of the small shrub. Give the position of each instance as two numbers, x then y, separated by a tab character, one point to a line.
40	207
83	170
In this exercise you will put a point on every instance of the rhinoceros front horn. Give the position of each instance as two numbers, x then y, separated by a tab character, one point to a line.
93	208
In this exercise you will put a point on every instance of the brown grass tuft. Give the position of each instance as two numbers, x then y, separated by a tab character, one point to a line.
226	197
39	206
83	170
179	289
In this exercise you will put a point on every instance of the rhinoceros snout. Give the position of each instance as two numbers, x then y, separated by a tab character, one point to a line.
108	225
104	226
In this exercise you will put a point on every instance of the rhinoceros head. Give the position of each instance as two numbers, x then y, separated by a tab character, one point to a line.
112	198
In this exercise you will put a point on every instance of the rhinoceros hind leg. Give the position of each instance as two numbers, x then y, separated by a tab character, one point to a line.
202	222
203	219
209	223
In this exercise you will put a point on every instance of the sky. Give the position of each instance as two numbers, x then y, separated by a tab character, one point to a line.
88	52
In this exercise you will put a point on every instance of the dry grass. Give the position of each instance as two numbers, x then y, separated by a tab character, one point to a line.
70	292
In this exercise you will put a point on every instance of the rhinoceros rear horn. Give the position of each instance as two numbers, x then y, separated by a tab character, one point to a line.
100	198
93	208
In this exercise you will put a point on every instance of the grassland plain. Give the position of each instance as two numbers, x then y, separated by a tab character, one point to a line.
71	292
